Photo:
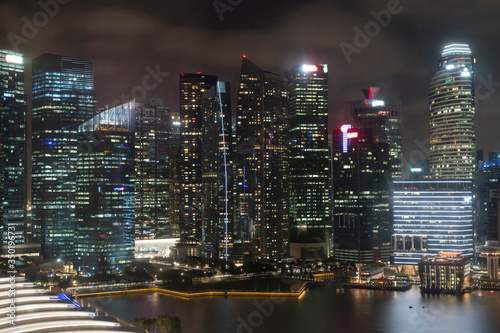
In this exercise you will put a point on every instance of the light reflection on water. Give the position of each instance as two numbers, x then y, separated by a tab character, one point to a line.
322	310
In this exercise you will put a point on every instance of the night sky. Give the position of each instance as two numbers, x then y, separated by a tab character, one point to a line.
123	38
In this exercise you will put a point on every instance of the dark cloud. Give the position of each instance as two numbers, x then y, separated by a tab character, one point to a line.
125	37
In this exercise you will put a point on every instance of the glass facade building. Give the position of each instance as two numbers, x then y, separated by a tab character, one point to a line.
175	175
192	87
63	98
431	216
105	191
384	117
488	197
362	217
12	144
262	216
309	156
217	173
452	115
152	174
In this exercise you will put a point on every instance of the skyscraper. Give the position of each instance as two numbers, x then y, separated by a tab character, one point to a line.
63	98
452	115
175	175
217	175
12	146
362	217
489	194
262	222
248	158
384	117
431	216
192	87
152	174
105	191
309	157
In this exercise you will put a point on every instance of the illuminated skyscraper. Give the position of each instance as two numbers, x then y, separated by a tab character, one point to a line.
384	117
175	175
262	222
431	216
309	156
1	174
152	174
192	87
105	191
362	217
452	115
12	144
63	98
217	164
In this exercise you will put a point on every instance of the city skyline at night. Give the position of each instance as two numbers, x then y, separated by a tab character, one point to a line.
297	101
250	166
401	66
302	119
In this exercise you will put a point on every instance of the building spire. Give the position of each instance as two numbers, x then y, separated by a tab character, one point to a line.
371	92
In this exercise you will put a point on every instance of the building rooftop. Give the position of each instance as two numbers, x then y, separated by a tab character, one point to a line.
30	308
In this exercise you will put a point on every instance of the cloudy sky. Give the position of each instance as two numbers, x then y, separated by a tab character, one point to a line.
124	37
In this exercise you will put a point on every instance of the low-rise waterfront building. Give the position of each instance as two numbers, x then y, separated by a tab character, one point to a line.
447	273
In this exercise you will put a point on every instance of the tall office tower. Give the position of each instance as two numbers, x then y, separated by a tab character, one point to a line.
489	194
247	141
309	160
452	115
362	217
384	117
1	173
105	191
480	223
262	218
431	216
12	145
217	174
175	175
105	205
152	174
63	98
192	87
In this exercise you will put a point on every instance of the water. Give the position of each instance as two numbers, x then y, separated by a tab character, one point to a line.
321	310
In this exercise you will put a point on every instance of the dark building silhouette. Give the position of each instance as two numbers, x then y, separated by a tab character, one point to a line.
217	173
384	117
362	217
192	88
153	136
262	188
